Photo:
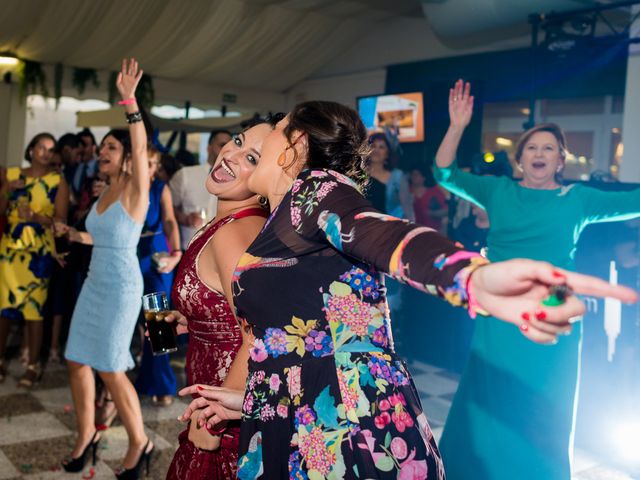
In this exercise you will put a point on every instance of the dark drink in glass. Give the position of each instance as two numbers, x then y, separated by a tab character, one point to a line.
63	246
156	307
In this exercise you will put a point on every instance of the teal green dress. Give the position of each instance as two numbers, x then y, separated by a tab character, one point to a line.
514	411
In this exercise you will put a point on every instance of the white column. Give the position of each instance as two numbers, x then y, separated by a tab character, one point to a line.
13	120
630	167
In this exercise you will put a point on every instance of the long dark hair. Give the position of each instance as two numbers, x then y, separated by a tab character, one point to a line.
123	137
336	137
34	141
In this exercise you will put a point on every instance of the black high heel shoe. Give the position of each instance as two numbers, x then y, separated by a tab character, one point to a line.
134	473
75	465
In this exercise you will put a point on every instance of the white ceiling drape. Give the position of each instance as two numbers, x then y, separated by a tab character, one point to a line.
265	44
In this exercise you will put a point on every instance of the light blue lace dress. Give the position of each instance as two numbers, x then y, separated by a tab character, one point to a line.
109	304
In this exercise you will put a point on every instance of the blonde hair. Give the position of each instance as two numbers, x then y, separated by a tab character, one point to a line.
553	129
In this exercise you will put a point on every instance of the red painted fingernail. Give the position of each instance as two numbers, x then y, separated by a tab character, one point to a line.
557	274
524	327
541	315
199	387
526	317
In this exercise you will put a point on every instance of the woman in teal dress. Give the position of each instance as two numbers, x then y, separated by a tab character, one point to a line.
513	415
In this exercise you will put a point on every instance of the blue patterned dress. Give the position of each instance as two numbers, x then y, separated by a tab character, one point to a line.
109	304
156	375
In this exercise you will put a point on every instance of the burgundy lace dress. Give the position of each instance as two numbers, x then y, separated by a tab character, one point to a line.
214	339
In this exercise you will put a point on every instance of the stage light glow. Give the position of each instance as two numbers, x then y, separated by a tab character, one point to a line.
489	157
8	60
626	440
505	142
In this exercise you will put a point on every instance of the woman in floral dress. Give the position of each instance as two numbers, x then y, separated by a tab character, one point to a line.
327	396
32	198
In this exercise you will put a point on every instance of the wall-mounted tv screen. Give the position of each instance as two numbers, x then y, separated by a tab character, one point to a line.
401	111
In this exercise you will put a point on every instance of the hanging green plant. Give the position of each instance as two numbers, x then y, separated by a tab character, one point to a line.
31	79
58	75
113	90
81	76
145	93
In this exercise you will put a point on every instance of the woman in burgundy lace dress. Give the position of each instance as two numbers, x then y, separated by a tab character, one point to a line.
200	293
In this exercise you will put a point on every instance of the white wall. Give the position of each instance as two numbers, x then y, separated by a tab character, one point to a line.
12	126
342	88
630	167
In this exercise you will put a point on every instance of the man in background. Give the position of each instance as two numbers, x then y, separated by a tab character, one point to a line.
89	163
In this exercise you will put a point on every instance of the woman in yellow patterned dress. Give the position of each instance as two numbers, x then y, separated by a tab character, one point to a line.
32	198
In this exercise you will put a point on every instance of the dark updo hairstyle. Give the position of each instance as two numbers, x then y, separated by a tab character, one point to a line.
34	141
391	161
336	137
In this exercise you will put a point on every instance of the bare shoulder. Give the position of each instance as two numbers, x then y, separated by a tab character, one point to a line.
238	234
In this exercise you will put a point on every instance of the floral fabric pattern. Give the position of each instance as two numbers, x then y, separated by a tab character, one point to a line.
327	397
26	248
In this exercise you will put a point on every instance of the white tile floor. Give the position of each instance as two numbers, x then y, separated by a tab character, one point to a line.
436	388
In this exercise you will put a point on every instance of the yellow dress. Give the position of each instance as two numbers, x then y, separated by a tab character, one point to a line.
26	248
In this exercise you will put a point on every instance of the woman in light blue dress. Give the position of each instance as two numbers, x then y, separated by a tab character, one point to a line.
109	304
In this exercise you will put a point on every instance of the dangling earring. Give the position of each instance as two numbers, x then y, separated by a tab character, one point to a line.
519	166
263	201
282	159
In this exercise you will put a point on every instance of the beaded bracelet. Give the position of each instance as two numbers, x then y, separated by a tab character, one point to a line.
133	117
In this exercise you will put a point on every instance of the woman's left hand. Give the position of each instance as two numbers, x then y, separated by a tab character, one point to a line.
128	78
513	291
217	404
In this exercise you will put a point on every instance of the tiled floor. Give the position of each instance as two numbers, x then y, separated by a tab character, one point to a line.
36	428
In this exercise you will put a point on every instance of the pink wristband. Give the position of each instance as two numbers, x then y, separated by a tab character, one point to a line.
473	307
128	101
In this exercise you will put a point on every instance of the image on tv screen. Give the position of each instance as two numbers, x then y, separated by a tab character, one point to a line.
402	112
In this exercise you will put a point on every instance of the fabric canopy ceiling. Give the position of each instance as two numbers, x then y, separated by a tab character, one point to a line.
266	44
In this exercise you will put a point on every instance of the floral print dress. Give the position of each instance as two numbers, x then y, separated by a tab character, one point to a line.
326	395
26	260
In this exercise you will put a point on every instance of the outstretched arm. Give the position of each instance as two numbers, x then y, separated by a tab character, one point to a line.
327	208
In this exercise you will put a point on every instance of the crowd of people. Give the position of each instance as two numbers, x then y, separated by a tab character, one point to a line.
274	253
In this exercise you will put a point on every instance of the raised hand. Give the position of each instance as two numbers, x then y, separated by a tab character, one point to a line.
460	104
128	78
513	291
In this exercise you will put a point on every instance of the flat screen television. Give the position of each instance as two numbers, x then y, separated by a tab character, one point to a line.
401	111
